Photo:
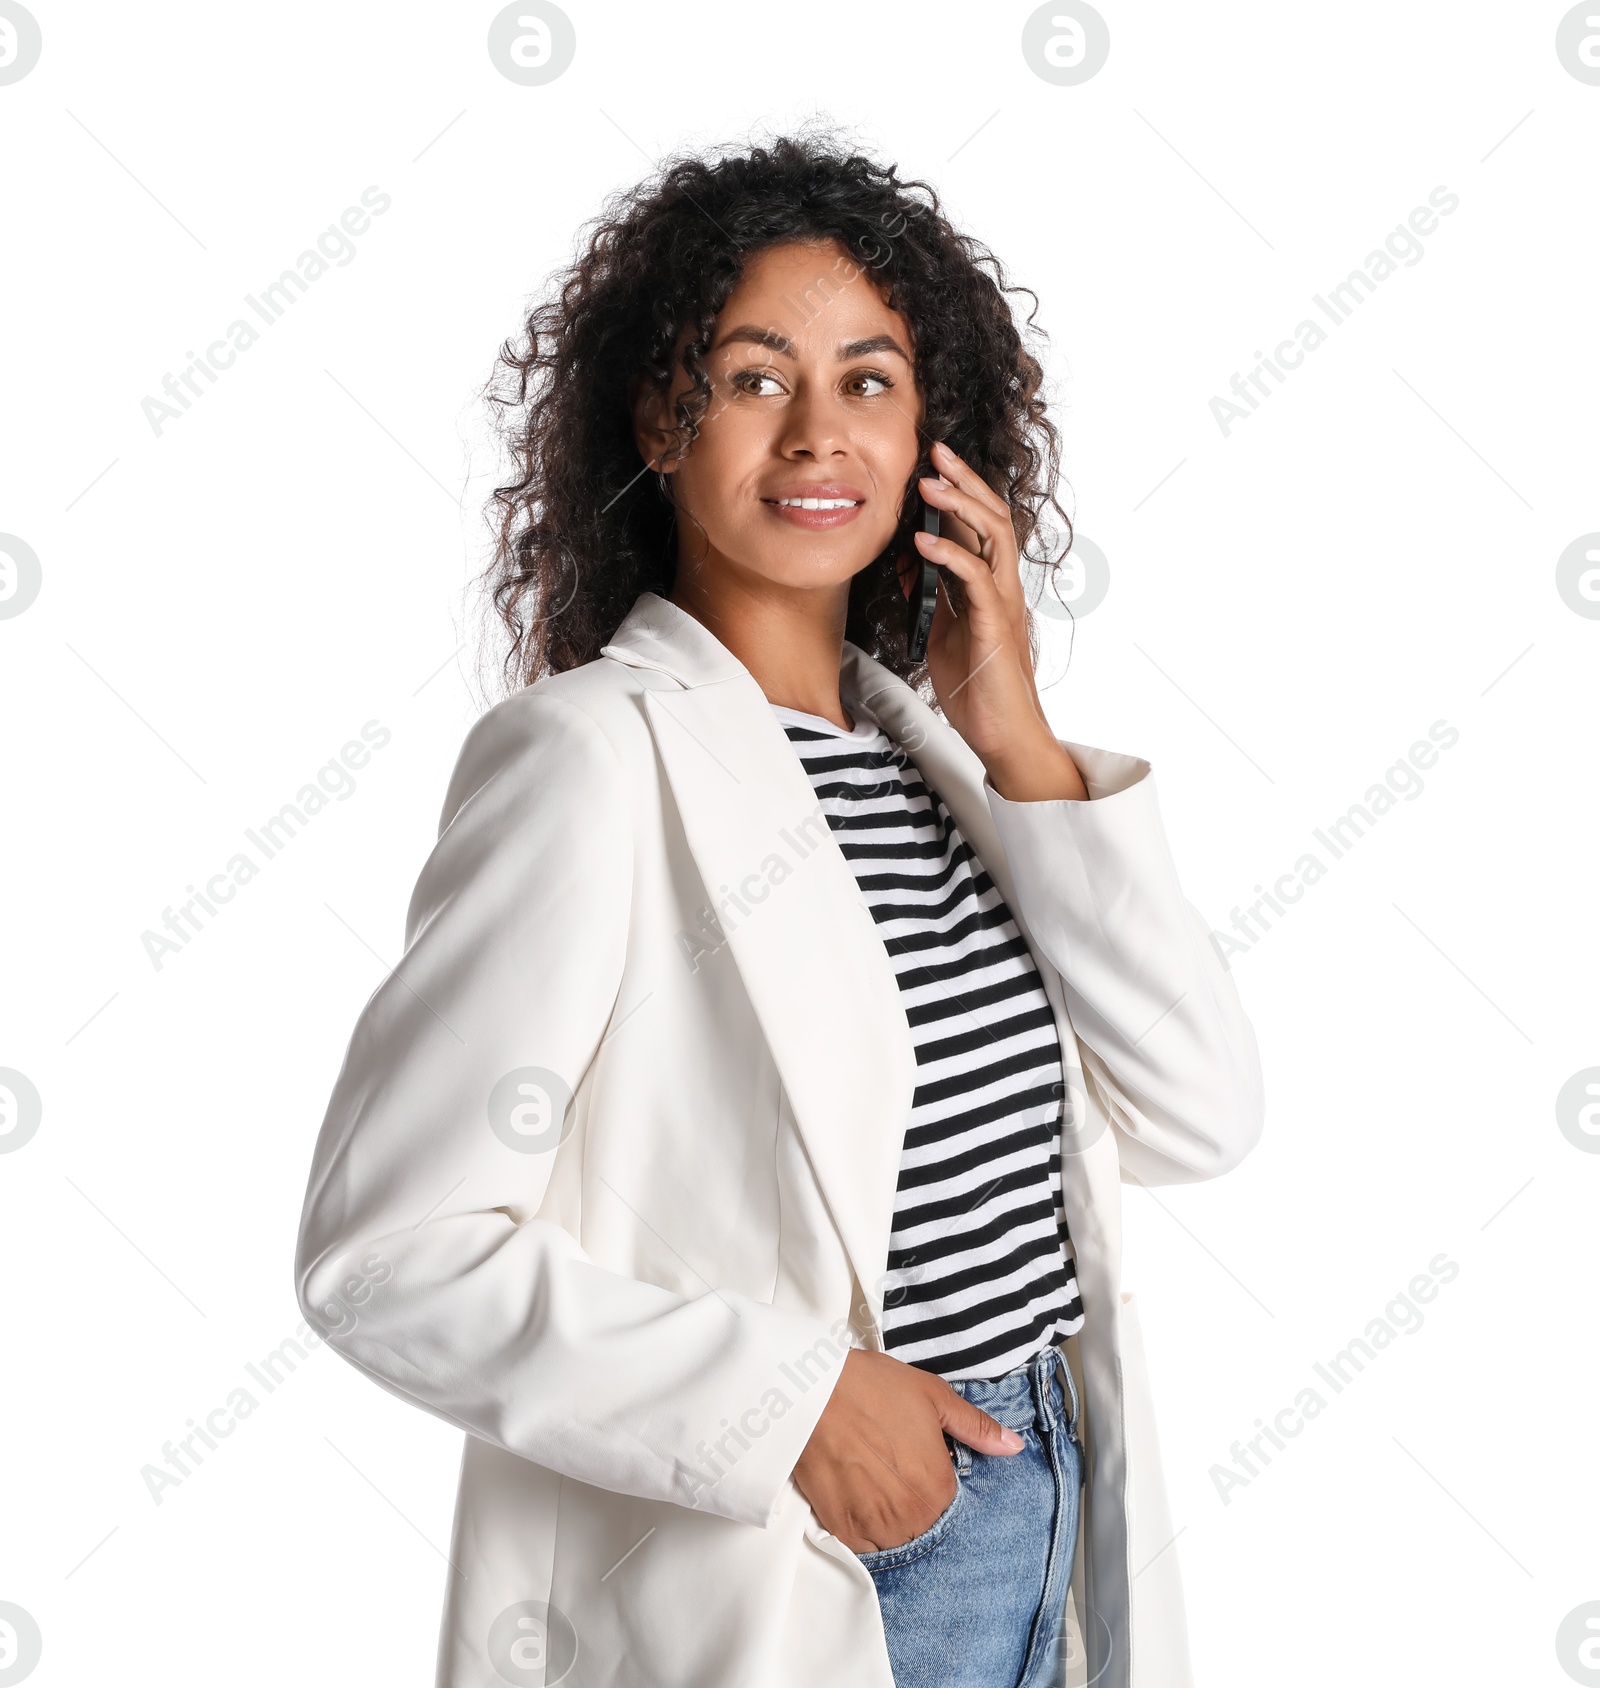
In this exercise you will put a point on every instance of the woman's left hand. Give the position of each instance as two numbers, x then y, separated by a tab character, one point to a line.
979	662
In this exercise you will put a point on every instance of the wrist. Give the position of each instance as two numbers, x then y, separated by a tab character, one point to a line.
1039	772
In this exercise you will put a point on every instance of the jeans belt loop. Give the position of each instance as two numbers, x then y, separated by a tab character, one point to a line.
1039	1377
1072	1390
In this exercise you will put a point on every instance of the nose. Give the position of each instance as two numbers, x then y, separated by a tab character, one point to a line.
814	425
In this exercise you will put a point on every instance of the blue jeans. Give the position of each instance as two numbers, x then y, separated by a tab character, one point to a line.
976	1601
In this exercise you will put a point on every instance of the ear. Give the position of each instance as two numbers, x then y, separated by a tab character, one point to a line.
652	429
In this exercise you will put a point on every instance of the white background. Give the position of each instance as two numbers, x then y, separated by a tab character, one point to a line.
1374	550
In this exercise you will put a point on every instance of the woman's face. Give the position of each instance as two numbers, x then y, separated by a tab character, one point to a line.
814	399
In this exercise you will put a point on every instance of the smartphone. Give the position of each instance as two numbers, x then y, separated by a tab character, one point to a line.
924	594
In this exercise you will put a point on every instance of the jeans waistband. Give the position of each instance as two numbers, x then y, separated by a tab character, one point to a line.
1033	1393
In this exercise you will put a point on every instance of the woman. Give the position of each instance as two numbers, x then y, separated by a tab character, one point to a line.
734	1152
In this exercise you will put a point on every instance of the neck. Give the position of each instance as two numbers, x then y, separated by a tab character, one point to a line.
790	638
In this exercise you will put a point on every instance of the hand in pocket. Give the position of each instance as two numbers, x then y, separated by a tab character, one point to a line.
876	1470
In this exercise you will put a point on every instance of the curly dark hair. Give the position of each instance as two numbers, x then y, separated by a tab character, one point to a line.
581	528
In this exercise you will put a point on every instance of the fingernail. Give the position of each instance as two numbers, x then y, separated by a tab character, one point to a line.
1010	1440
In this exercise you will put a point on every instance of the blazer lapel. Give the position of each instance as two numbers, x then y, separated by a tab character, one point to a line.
806	947
808	951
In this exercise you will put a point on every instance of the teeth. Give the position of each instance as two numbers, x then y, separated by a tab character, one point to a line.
819	503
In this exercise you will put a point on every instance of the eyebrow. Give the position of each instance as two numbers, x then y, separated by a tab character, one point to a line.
774	341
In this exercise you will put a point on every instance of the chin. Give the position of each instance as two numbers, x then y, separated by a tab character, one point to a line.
820	572
806	564
811	562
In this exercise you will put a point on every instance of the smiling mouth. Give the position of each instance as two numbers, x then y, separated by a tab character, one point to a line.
817	506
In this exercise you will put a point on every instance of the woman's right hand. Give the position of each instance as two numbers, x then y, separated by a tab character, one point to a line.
876	1470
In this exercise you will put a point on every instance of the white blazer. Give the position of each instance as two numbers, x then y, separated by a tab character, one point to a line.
636	1301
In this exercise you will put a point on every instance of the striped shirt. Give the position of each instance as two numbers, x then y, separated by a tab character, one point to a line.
980	1273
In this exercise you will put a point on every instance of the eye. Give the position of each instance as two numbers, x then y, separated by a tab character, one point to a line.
867	383
762	383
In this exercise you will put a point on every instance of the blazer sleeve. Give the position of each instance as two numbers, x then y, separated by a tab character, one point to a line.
1164	1036
430	1252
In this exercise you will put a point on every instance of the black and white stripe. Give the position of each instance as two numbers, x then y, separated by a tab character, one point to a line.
980	1271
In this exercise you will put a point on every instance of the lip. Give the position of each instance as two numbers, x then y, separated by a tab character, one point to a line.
816	519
